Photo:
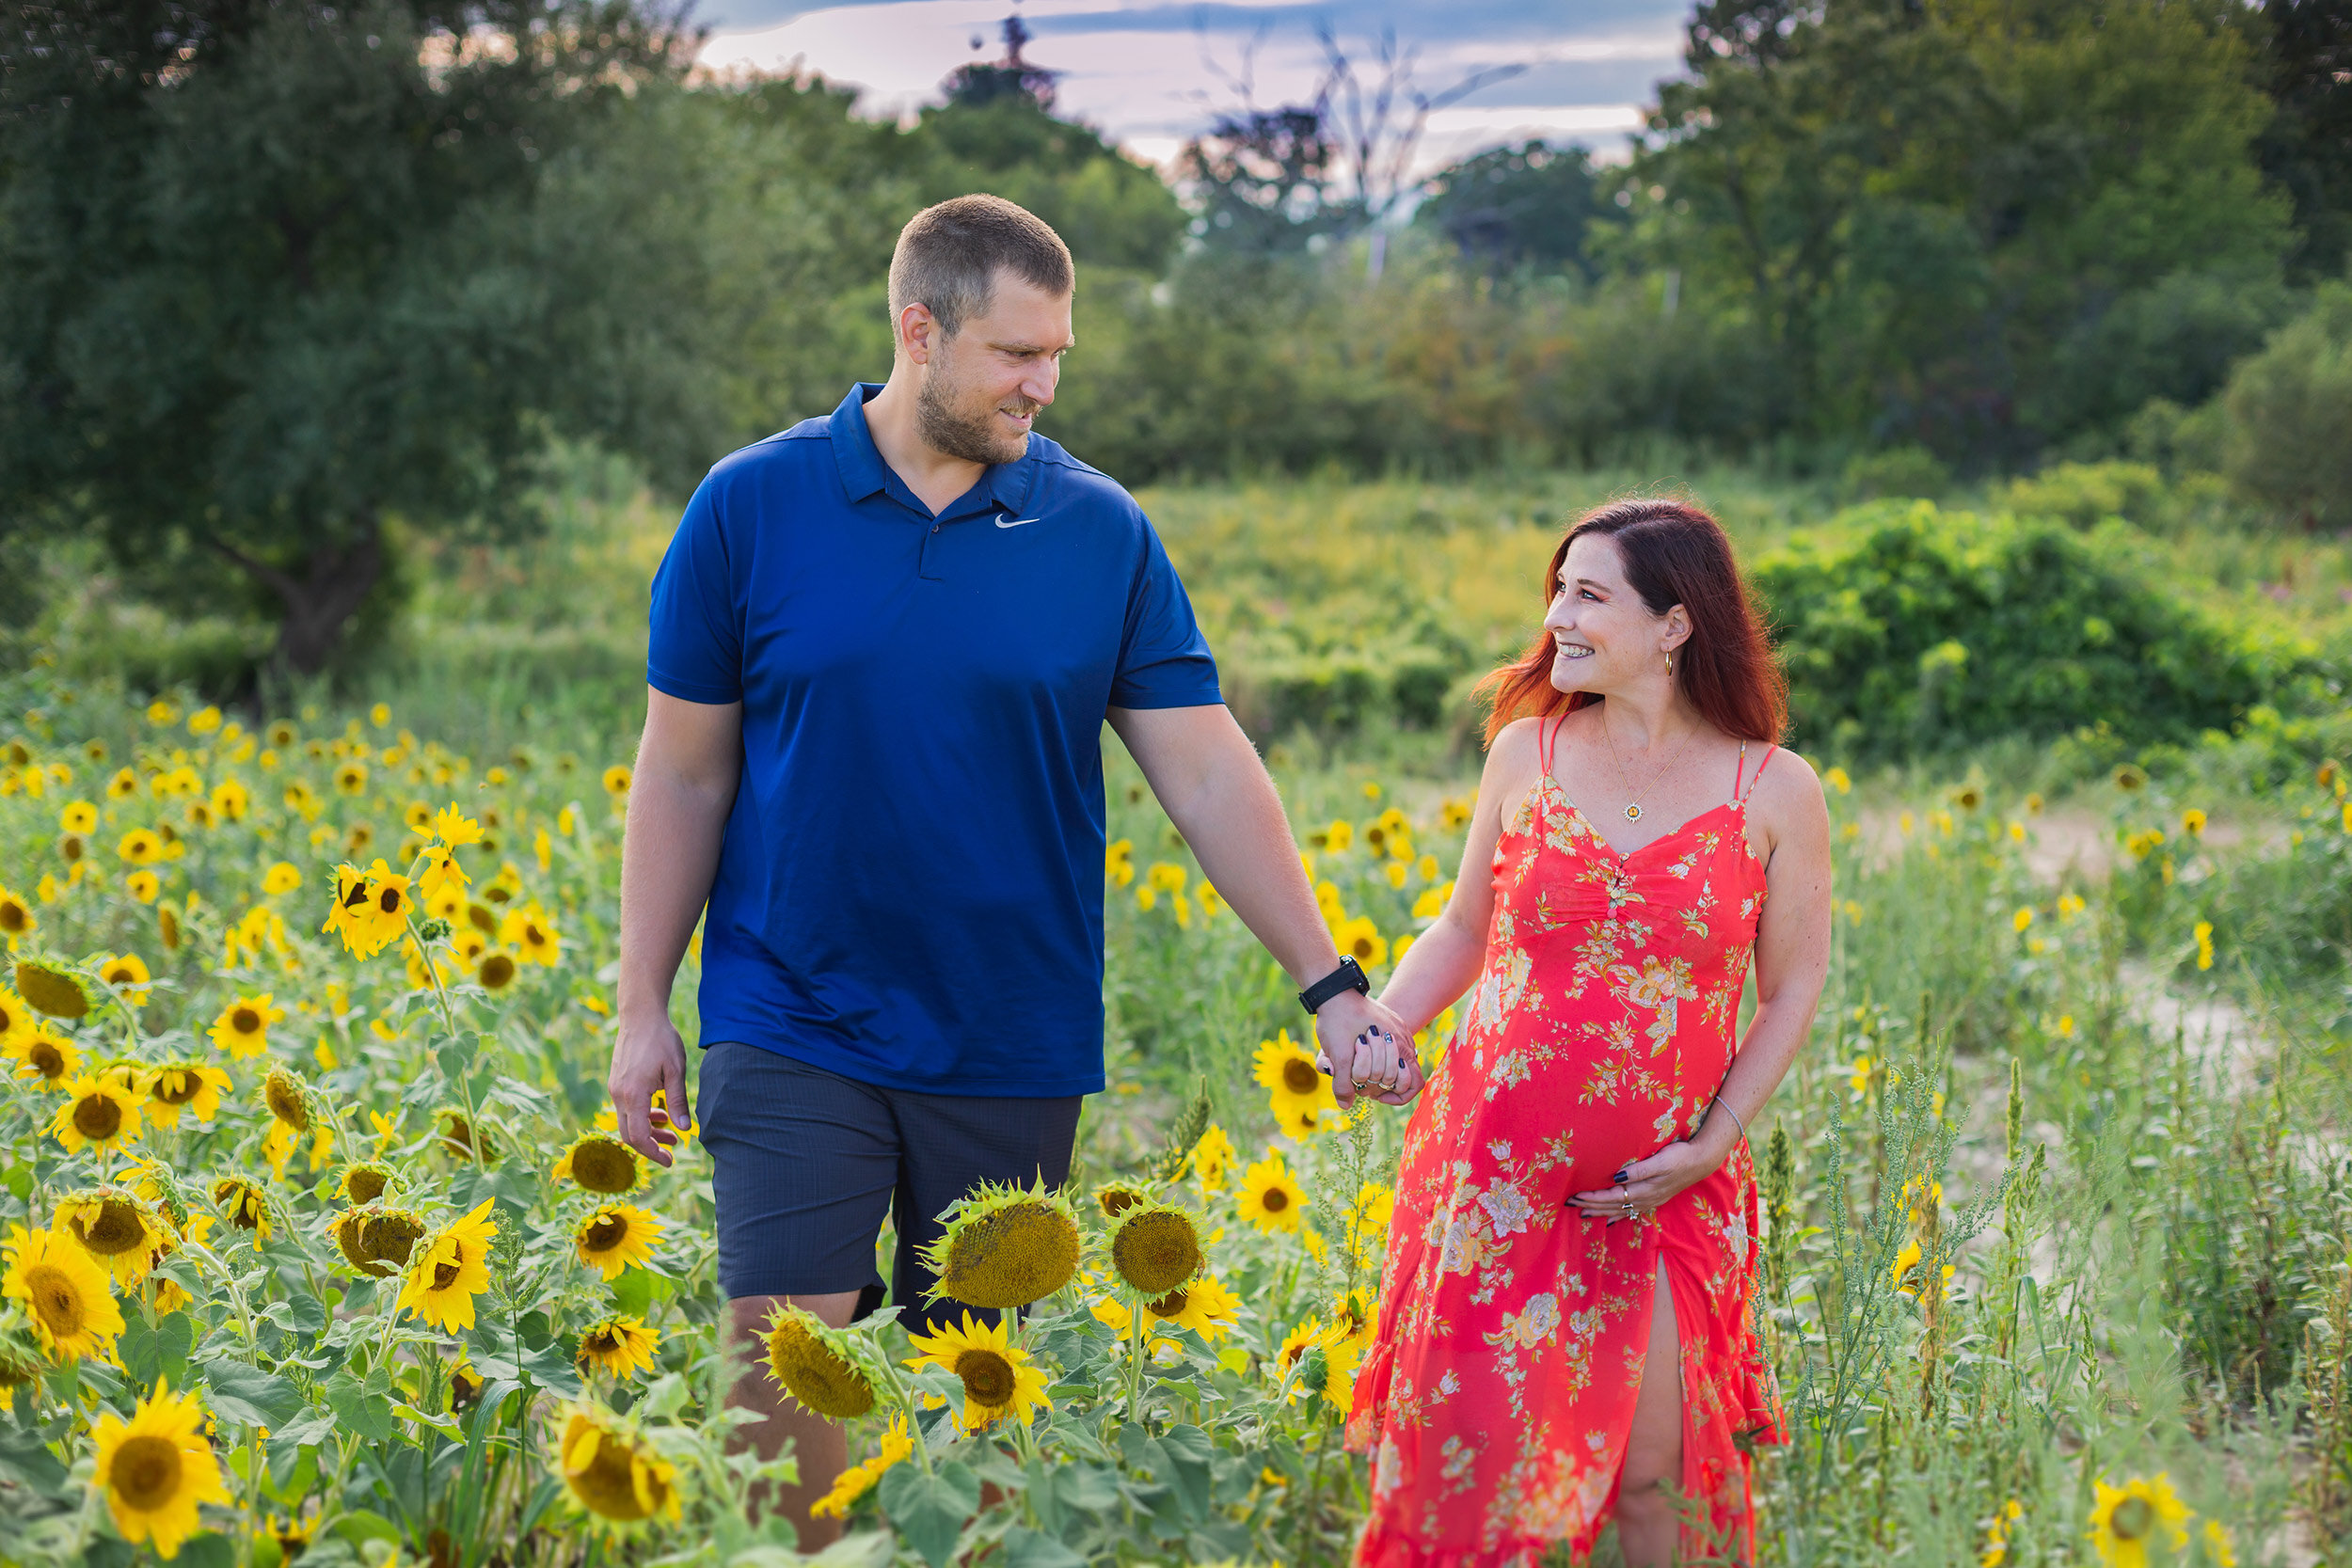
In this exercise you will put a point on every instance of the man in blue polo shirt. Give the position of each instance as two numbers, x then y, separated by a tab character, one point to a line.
883	647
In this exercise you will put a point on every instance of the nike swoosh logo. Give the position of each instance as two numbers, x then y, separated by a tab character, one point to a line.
1002	521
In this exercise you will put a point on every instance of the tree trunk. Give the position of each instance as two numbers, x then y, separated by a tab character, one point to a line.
335	581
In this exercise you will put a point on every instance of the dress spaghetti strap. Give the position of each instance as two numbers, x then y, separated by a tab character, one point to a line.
1761	765
1742	771
1546	740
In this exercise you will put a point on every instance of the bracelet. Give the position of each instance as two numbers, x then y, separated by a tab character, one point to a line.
1733	1115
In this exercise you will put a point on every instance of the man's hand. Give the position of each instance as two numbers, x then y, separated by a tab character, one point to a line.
648	1055
1366	1050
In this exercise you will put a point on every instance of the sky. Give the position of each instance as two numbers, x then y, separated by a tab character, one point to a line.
1151	74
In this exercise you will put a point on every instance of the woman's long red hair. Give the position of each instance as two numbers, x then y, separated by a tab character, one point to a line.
1675	554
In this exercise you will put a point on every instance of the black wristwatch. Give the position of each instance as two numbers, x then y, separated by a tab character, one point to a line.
1348	976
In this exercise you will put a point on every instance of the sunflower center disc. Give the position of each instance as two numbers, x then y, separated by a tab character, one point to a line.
604	1167
1170	1305
118	1230
97	1117
177	1088
47	1059
1299	1076
147	1471
245	1020
2132	1518
1276	1200
987	1376
365	1186
608	1486
605	1235
445	1275
58	1300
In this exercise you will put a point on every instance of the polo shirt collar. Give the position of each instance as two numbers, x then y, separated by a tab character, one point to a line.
864	473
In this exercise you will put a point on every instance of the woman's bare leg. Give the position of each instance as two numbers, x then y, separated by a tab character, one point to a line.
1648	1528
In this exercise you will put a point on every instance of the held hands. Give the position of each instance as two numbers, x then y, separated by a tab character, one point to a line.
1366	1049
1643	1186
648	1055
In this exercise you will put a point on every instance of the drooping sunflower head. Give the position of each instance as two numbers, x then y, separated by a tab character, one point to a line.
156	1468
101	1112
44	1056
603	1164
461	1137
52	989
377	1239
365	1181
810	1362
16	916
244	1203
117	1227
1154	1248
182	1086
450	1269
64	1292
1005	1246
611	1472
612	1238
619	1345
288	1098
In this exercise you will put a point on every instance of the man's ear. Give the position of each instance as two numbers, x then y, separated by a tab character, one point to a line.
918	332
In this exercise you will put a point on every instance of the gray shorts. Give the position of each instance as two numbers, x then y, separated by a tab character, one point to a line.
805	1162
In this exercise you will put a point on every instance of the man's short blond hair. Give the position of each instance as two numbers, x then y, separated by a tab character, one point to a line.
948	257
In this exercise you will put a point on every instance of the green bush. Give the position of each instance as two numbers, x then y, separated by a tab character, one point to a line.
1909	630
1901	471
2289	414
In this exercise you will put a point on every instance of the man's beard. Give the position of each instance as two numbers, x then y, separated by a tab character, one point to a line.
959	432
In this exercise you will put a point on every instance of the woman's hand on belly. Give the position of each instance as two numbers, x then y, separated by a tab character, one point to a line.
1646	1184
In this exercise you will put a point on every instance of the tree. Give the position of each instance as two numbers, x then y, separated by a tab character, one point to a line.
2305	63
277	276
2288	408
1527	206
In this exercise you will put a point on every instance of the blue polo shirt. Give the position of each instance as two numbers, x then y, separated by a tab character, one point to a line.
910	891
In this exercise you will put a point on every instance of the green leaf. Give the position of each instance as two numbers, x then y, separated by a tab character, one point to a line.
1027	1549
363	1408
209	1550
24	1458
929	1511
1188	1453
633	1292
251	1396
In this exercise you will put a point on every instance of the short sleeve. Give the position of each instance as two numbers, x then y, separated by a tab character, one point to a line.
1164	661
695	646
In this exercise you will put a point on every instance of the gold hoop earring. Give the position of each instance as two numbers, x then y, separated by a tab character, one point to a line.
1670	661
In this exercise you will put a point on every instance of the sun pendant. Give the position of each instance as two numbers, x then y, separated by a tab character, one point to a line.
1632	813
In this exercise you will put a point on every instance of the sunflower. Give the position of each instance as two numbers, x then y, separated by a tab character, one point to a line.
2125	1519
496	972
462	1138
998	1378
371	909
1361	940
292	1117
16	917
1005	1246
79	817
602	1165
52	989
184	1087
613	1475
143	886
127	974
1270	1197
613	1238
352	778
46	1057
1213	1160
282	876
140	846
619	1345
465	1386
1154	1248
1296	1087
101	1112
15	1017
365	1181
616	778
450	1270
156	1468
859	1478
1296	1344
1204	1305
532	935
806	1359
1115	1197
246	1204
377	1239
20	1363
64	1292
116	1226
242	1027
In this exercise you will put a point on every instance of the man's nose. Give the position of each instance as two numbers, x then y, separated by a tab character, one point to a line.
1038	385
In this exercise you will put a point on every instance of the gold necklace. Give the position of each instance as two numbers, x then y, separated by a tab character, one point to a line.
1633	797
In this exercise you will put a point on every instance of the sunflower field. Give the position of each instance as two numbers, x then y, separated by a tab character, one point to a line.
319	1243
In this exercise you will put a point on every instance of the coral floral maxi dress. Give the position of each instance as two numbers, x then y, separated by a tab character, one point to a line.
1499	1393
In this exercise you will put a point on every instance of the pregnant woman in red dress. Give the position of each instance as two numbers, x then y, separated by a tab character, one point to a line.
1565	1324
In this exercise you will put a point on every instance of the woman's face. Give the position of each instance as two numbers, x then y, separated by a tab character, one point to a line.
1604	638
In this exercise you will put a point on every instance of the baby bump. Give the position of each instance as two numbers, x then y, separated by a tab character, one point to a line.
1582	1115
